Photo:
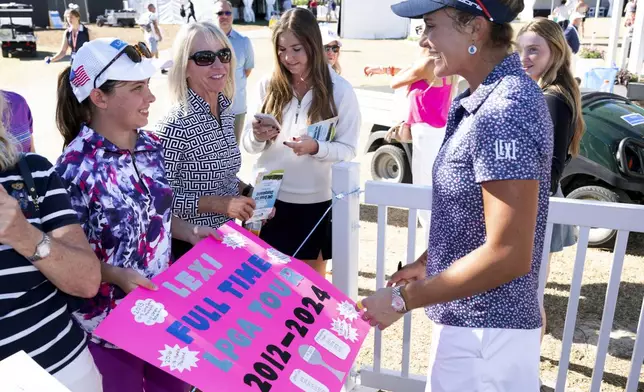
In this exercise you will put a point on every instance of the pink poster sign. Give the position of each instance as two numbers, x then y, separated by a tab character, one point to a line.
237	315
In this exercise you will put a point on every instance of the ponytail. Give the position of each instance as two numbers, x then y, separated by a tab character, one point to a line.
70	114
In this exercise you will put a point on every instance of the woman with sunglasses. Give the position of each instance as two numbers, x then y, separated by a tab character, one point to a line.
202	158
478	280
302	90
332	46
114	174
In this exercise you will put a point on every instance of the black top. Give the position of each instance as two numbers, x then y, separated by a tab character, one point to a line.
562	121
81	39
33	313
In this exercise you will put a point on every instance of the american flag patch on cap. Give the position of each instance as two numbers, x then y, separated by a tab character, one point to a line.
78	77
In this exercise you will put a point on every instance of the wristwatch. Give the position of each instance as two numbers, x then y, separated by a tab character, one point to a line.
397	300
42	249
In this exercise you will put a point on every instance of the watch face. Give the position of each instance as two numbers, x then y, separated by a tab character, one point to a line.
397	303
43	249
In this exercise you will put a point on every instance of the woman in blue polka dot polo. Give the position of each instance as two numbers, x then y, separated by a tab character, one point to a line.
478	280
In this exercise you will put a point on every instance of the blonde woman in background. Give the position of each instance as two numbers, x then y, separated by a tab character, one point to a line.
202	158
332	47
546	56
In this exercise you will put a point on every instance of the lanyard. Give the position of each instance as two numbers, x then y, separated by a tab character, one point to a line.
74	39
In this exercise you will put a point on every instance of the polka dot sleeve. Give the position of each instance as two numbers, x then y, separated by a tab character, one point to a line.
508	143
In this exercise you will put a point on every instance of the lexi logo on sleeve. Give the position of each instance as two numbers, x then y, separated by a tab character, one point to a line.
505	149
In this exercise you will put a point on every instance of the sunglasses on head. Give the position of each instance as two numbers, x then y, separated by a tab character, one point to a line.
222	13
207	57
136	53
333	48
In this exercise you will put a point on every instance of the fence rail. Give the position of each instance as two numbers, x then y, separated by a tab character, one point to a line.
625	218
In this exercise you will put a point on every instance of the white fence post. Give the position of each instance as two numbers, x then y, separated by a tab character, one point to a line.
346	235
346	228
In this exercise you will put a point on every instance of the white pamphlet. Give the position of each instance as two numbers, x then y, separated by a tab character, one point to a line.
323	131
20	373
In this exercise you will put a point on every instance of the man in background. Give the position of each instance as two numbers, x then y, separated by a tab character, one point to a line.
191	11
572	32
150	26
245	61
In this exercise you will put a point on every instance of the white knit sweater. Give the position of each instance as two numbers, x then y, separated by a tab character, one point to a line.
307	179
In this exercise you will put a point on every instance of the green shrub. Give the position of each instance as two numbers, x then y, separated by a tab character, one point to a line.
587	52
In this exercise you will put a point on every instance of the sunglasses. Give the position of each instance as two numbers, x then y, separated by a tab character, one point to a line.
222	13
207	57
332	48
136	53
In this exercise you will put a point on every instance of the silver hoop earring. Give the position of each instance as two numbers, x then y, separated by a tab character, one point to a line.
472	49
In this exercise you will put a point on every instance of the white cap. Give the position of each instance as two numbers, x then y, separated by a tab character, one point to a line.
576	15
328	36
92	58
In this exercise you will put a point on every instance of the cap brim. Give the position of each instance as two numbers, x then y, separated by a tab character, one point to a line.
328	41
415	9
125	70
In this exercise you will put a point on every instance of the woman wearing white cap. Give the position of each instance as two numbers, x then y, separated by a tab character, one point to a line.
332	45
114	174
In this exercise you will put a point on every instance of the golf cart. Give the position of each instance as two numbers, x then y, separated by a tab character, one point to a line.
17	29
610	165
117	18
609	168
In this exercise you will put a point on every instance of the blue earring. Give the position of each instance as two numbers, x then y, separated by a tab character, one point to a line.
472	49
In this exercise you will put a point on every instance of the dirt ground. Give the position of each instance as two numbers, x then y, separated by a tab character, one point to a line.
38	88
51	38
591	304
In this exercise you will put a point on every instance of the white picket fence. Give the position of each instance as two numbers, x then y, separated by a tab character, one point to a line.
625	218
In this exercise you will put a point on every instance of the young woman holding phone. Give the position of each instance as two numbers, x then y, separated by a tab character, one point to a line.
302	90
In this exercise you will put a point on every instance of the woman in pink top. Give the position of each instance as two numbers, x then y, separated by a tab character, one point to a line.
429	100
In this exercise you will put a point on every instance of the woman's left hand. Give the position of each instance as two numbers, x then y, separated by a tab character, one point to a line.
200	232
303	145
378	310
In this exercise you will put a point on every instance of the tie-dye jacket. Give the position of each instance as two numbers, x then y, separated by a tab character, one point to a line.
124	204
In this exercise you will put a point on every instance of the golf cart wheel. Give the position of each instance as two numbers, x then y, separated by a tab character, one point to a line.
390	163
600	236
5	53
100	23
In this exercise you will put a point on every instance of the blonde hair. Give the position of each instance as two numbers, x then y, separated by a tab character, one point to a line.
558	78
183	50
8	151
304	27
336	67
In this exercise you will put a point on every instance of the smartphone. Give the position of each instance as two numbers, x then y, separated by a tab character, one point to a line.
268	119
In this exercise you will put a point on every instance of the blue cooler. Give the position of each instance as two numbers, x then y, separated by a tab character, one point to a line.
595	78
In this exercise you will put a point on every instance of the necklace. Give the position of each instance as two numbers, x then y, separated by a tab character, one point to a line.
301	87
